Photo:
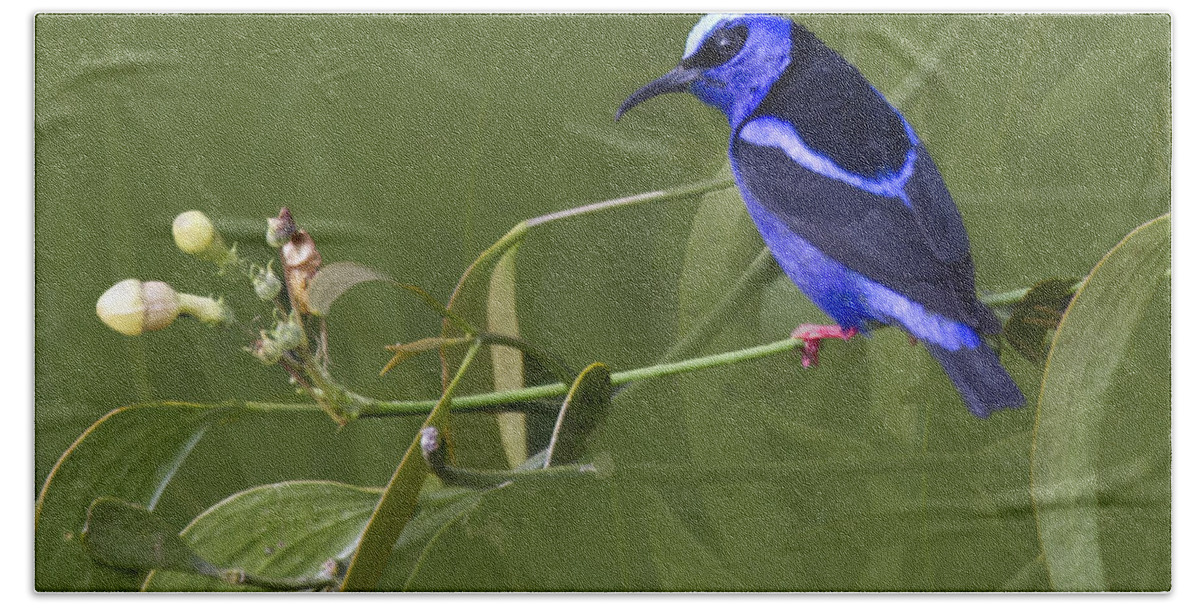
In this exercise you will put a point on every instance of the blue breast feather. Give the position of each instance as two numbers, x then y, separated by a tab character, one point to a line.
851	299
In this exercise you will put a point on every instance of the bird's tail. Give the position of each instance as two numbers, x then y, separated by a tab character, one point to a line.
979	378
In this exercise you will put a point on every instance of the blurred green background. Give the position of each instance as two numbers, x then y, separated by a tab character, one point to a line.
410	143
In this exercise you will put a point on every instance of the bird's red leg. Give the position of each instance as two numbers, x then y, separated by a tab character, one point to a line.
812	336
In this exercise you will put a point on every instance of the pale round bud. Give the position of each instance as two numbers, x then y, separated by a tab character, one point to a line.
430	441
193	231
132	307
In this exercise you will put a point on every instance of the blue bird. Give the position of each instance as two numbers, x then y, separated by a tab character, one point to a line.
845	195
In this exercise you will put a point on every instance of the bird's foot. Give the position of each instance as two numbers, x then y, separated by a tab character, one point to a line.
812	336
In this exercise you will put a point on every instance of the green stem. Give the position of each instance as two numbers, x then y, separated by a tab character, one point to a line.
1013	296
375	409
636	199
699	363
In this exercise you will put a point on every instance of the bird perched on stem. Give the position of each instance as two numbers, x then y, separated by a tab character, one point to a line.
844	193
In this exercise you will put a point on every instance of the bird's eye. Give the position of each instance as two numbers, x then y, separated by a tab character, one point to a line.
721	46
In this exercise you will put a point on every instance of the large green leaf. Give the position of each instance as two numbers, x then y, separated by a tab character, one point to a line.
131	454
1082	484
489	541
436	512
295	532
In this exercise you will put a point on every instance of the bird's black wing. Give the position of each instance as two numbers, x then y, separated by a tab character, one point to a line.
875	236
835	110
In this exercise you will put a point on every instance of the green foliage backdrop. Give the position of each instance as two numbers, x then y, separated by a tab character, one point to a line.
411	143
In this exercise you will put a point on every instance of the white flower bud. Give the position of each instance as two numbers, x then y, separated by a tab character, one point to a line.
132	307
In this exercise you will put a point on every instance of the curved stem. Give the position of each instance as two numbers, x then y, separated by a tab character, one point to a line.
636	199
511	239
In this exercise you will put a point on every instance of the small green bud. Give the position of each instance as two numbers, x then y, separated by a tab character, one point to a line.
266	284
289	334
265	349
280	229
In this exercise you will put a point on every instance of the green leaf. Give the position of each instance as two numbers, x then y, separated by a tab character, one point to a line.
334	280
1073	491
469	544
1036	314
508	368
584	408
436	511
399	501
128	536
130	454
284	535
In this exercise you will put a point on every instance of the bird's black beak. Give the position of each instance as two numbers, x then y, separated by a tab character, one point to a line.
678	80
